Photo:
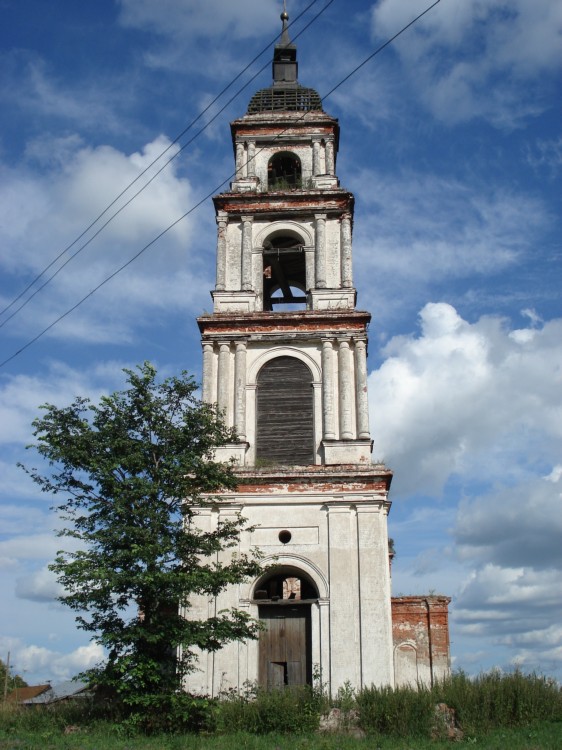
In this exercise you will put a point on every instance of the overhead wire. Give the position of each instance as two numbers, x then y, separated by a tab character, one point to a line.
154	176
144	171
210	194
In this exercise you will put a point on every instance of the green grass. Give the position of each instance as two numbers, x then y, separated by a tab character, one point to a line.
541	736
503	711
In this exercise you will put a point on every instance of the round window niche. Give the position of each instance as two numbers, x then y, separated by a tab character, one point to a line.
285	536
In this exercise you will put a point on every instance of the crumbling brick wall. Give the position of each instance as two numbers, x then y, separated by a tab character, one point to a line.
420	631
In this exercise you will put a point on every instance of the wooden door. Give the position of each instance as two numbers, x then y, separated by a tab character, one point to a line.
284	647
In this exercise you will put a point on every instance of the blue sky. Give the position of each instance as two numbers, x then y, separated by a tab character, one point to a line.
451	142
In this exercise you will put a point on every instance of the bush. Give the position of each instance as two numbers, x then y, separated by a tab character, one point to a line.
165	713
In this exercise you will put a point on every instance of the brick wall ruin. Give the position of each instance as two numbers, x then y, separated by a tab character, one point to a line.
420	633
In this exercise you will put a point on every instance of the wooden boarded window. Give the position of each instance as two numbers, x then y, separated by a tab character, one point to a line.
285	428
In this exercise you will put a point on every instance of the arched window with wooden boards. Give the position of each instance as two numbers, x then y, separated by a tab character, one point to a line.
285	413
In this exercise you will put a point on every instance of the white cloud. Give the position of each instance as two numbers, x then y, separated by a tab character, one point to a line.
33	547
190	18
52	207
546	154
463	398
190	31
456	52
22	395
509	604
517	526
40	586
30	84
56	666
416	231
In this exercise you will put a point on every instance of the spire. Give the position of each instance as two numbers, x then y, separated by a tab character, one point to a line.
285	66
285	95
285	41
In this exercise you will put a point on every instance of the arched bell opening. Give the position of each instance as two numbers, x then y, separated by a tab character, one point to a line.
284	172
285	413
284	273
285	597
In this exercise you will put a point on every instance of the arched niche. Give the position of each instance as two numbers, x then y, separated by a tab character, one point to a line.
284	171
285	413
406	665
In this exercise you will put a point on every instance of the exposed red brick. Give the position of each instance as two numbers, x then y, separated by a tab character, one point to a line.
423	621
298	201
352	321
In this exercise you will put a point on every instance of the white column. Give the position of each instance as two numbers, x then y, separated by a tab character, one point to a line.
361	391
316	157
240	393
240	161
207	384
251	158
344	604
309	255
374	598
346	269
224	373
320	250
330	165
247	253
328	426
221	251
346	391
324	661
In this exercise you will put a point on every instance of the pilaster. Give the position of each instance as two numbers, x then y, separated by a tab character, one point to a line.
362	391
320	249
222	221
346	269
247	222
240	390
345	390
328	423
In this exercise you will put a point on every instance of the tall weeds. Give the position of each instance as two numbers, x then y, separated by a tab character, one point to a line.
487	702
495	699
290	710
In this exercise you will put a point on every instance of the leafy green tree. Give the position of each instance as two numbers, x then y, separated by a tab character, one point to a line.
9	682
133	471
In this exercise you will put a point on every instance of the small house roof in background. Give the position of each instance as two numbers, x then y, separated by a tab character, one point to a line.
59	692
30	692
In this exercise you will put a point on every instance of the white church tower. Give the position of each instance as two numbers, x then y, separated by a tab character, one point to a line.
285	359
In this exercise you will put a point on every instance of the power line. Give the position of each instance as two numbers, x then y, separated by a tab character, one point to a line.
209	195
144	171
132	198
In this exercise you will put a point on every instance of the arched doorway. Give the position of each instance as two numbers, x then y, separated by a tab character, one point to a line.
285	413
284	601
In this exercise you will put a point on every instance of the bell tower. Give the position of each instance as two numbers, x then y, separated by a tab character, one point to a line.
285	360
